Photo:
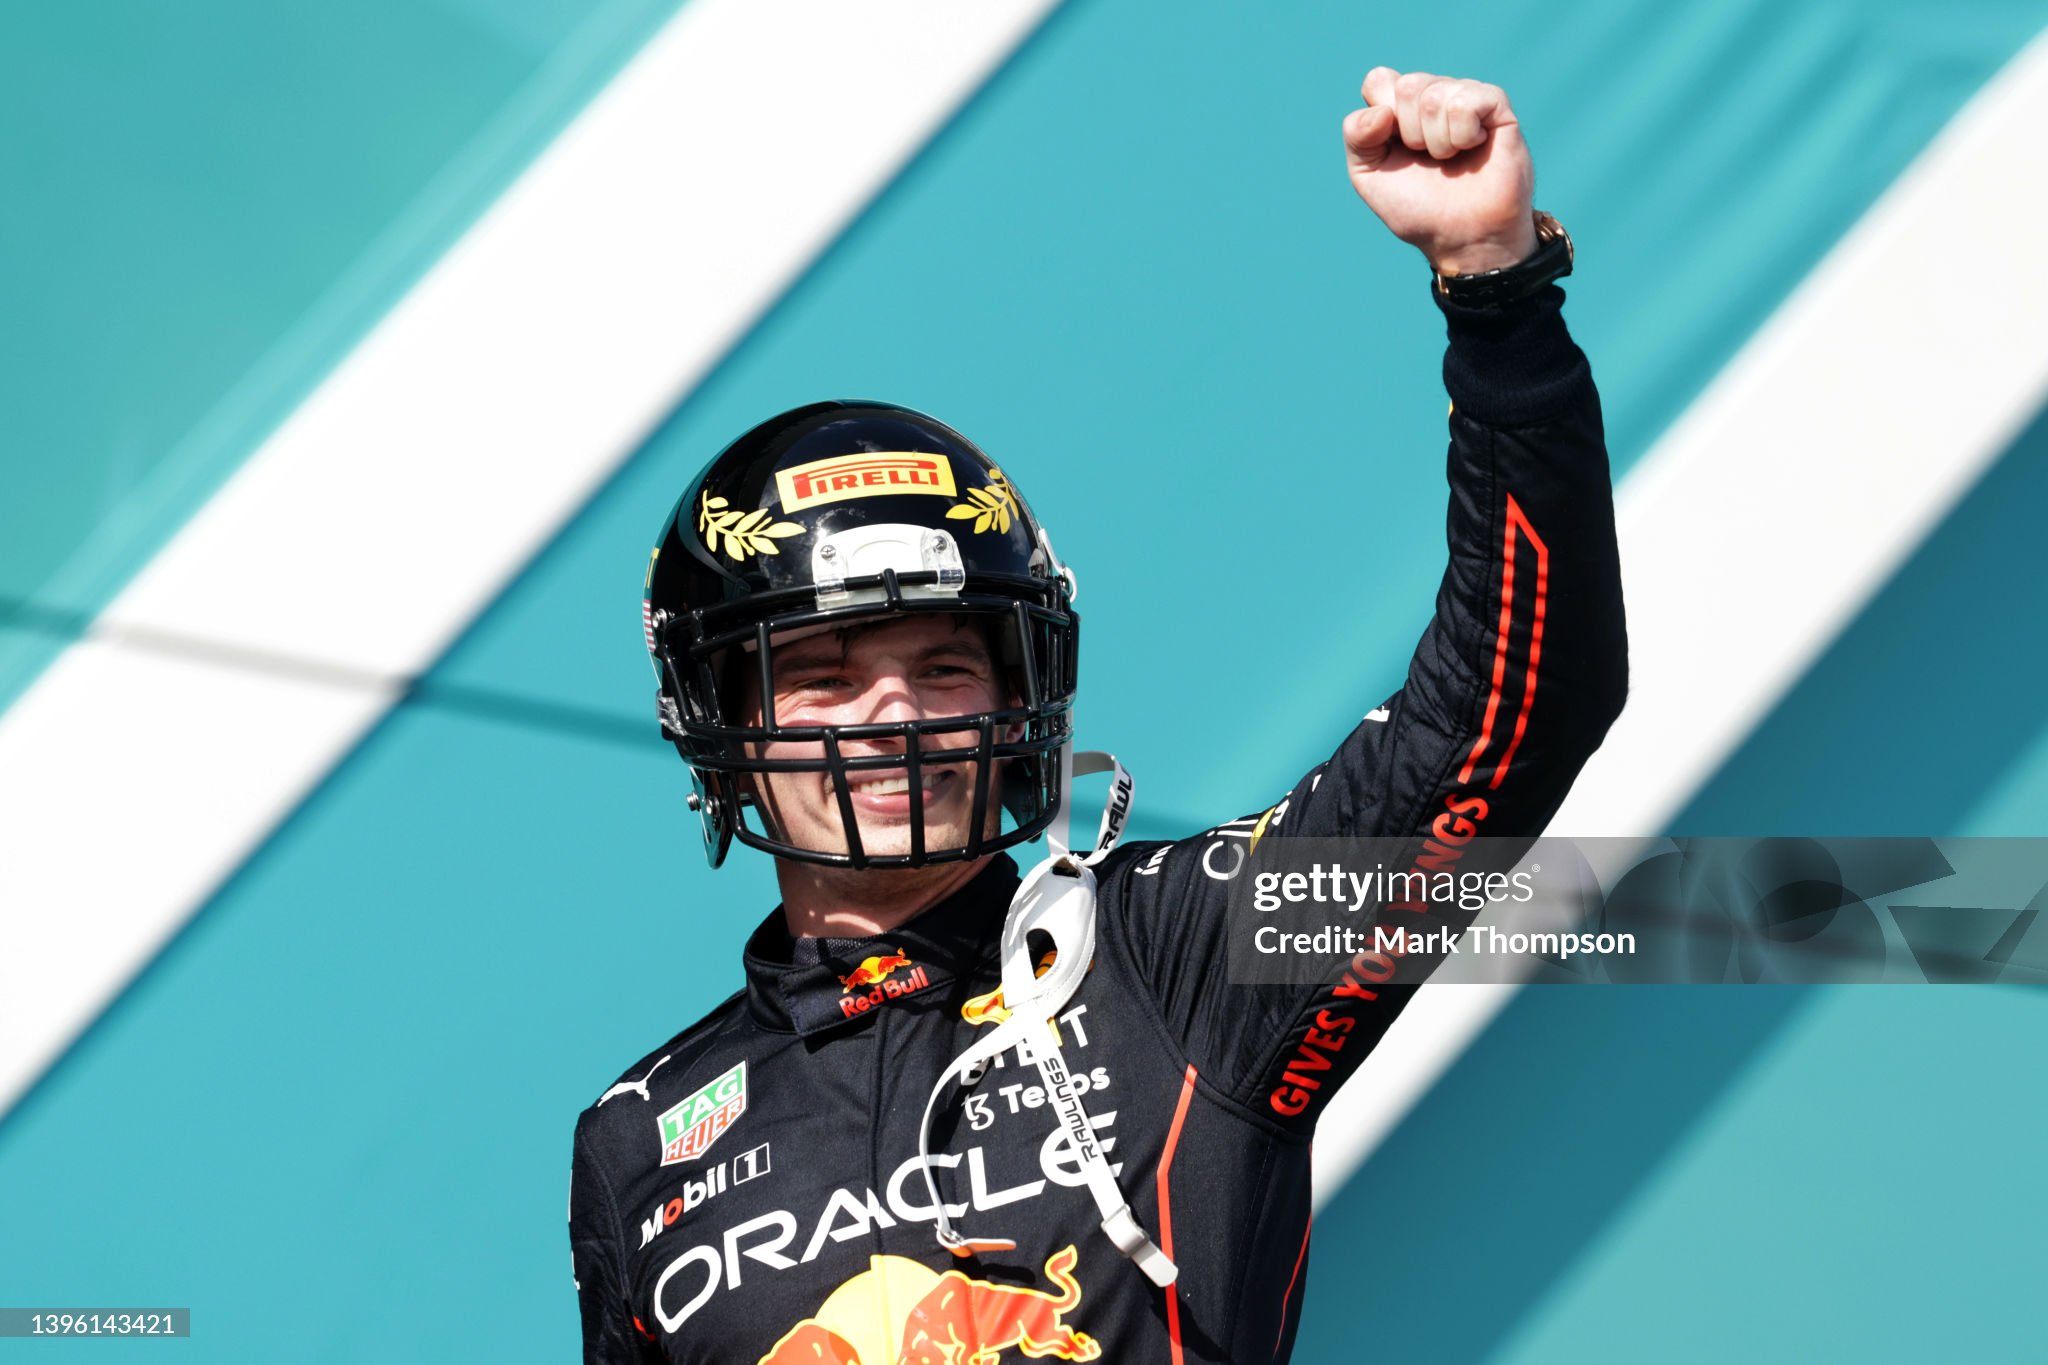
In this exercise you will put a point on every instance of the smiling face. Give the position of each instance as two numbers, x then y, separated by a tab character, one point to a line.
921	667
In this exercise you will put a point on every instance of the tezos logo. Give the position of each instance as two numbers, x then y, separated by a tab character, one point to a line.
695	1122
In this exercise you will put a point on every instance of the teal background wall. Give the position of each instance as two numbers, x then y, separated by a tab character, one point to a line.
209	204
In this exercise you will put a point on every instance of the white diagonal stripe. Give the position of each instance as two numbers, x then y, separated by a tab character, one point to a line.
1783	499
426	470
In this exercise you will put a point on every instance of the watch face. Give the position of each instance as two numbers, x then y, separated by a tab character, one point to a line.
1549	230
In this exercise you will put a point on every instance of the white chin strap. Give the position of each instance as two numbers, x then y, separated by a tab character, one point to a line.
1057	899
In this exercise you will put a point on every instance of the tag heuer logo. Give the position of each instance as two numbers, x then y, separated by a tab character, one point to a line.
689	1129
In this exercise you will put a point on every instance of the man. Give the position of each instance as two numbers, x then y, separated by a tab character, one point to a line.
896	1143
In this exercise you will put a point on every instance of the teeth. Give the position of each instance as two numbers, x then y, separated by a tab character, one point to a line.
888	786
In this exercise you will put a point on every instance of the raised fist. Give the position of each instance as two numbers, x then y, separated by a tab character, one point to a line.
1443	164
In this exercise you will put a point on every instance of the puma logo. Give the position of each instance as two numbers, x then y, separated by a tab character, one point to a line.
638	1087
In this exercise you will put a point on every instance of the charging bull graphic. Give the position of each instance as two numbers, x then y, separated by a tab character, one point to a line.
953	1319
872	970
971	1322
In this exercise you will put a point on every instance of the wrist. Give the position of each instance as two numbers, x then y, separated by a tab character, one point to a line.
1476	258
1550	259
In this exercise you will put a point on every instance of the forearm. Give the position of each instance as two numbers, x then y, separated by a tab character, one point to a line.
1525	663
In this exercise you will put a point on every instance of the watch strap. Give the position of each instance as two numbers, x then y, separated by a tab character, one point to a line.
1552	261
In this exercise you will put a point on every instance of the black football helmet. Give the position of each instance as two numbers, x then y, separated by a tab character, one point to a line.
840	512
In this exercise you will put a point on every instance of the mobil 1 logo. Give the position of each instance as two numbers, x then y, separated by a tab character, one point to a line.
714	1182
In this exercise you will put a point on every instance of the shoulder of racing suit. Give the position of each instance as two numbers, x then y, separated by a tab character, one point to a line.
678	1054
616	1117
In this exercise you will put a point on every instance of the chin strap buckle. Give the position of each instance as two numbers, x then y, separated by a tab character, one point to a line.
1122	1227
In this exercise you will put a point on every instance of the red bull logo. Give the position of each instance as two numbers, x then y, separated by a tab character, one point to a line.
873	969
875	982
953	1319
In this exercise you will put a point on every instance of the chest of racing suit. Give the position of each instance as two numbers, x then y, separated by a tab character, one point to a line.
751	1191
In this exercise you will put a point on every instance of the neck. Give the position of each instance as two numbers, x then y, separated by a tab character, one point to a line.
838	902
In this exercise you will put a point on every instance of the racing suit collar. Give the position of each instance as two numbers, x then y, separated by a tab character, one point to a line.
811	985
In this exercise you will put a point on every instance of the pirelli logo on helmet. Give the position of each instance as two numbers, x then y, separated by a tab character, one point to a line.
867	474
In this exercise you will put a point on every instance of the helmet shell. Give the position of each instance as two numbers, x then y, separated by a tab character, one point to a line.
744	527
738	558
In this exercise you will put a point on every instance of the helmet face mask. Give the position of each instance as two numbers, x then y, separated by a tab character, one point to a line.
857	514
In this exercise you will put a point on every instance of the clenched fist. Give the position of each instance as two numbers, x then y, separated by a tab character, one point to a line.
1443	164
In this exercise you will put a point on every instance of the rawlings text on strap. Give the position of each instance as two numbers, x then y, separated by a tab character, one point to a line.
1057	899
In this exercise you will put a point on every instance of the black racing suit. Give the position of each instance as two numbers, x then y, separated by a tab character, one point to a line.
750	1189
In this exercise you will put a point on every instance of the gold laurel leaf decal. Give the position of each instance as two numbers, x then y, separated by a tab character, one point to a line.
992	506
743	533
